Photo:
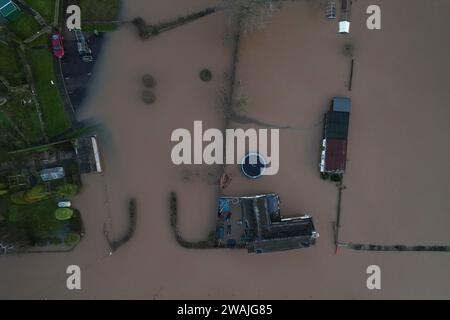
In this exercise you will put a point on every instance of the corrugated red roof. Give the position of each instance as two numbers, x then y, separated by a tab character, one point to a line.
335	155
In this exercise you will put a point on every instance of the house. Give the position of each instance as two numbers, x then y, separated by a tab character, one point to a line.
333	156
9	11
265	230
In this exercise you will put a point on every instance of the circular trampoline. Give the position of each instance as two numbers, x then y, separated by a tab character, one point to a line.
253	165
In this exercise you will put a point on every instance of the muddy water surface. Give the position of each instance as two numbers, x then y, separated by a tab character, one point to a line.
397	180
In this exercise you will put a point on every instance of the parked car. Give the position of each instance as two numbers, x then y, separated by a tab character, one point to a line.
57	45
64	204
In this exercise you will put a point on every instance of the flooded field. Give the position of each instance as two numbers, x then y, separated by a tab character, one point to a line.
397	180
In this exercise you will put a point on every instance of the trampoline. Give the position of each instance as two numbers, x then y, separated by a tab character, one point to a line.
253	165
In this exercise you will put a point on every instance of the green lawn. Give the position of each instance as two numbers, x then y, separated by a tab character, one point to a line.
9	63
25	118
37	219
8	139
45	7
99	27
100	10
52	106
25	26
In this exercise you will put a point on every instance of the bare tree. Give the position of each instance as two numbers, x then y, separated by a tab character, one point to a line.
250	15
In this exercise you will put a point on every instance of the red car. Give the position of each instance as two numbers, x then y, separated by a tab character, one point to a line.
57	45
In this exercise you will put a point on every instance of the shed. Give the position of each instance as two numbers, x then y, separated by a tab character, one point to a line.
52	174
9	10
88	154
344	27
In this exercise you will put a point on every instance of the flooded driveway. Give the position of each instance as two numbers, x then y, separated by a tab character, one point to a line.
397	175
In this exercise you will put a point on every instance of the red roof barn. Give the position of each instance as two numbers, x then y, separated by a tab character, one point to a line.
335	155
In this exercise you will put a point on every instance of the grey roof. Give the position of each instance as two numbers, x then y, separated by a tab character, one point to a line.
266	231
336	125
281	244
52	173
341	104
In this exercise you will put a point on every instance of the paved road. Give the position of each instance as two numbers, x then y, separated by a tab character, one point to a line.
76	73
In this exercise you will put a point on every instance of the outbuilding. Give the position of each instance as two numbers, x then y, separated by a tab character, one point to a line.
52	174
333	155
9	11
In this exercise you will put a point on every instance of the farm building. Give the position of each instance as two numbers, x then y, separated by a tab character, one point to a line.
267	231
334	143
336	125
334	156
261	228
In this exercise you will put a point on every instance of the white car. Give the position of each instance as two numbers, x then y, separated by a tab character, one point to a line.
64	204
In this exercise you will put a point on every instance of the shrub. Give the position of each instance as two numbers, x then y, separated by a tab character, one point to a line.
336	177
15	214
348	49
324	175
72	239
250	15
142	27
149	81
36	194
76	224
18	197
55	241
206	75
68	190
63	214
148	97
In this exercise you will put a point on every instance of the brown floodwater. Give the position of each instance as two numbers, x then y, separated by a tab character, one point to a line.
397	180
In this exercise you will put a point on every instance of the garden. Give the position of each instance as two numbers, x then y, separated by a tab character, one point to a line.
26	120
35	210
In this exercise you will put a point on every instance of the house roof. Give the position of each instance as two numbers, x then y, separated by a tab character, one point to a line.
336	125
335	155
265	229
280	244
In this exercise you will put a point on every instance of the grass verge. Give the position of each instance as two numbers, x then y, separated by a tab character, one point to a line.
99	10
25	26
45	7
52	106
